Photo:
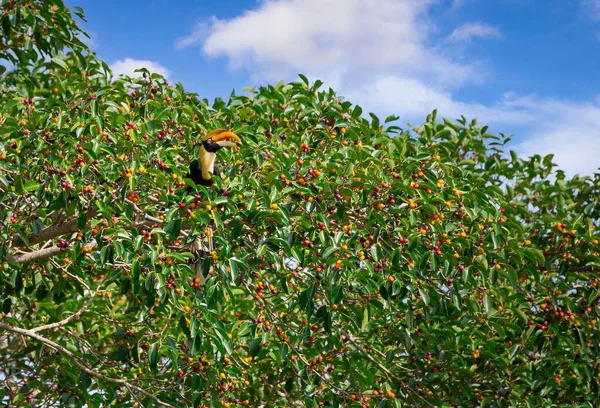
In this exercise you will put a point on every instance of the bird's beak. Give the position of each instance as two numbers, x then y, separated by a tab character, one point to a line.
225	138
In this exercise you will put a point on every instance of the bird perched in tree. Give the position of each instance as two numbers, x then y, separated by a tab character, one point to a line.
201	172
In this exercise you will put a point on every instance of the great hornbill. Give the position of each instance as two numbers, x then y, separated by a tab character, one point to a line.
201	172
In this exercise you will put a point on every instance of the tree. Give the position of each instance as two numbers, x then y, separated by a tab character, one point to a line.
357	264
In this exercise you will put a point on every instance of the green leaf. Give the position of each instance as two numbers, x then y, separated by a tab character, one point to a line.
225	340
424	296
136	271
488	305
61	63
255	347
153	357
82	220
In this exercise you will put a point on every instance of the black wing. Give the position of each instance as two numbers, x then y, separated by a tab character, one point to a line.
195	175
202	263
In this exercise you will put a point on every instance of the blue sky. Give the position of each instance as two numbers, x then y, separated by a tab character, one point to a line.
528	67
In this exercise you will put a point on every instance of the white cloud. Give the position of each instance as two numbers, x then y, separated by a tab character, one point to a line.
127	66
414	99
568	129
378	56
281	38
310	34
467	32
200	32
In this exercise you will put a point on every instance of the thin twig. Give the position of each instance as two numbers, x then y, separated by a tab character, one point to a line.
54	231
149	217
352	340
68	319
31	334
44	253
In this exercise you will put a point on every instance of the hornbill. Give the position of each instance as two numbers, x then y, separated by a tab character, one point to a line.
201	172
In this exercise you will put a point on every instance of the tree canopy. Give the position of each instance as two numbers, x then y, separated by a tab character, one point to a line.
358	263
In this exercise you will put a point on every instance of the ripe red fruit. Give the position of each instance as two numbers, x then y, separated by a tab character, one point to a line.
181	205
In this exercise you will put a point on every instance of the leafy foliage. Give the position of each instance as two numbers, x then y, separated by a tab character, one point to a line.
358	263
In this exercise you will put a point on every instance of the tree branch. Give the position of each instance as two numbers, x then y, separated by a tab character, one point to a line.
149	218
67	319
400	381
53	231
44	254
74	359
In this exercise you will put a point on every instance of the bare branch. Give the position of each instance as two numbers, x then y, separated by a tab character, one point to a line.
352	340
67	319
149	218
81	366
44	254
53	231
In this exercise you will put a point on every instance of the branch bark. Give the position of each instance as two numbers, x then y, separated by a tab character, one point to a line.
149	218
352	340
44	254
53	231
67	319
31	334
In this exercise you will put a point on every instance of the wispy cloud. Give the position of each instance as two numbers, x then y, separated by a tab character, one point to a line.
467	32
91	41
460	3
568	129
127	66
592	7
197	36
